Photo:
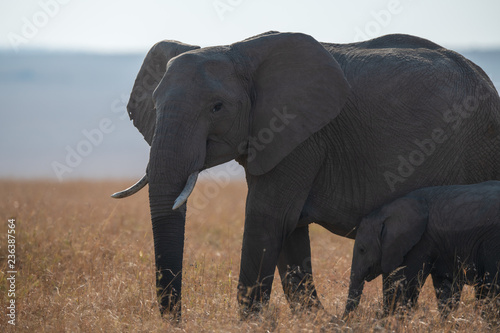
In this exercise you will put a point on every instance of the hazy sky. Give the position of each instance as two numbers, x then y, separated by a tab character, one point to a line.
126	25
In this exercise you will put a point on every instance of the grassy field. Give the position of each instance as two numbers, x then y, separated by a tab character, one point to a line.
85	264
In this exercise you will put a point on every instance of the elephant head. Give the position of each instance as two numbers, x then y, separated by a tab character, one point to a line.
255	100
382	241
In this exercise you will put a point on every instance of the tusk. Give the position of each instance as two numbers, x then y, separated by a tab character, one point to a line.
132	189
182	198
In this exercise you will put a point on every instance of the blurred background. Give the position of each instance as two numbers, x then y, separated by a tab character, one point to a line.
67	66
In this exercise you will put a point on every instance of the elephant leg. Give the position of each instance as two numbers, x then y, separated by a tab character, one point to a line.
416	273
390	293
414	287
275	201
394	291
270	221
295	270
447	293
402	288
259	256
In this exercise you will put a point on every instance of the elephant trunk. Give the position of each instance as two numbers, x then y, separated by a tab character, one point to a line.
168	234
355	290
170	183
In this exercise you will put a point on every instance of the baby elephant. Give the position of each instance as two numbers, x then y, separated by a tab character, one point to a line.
450	232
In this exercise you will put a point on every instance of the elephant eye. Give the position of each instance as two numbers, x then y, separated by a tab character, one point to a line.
362	250
217	107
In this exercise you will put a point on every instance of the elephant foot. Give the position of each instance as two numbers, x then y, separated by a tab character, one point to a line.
305	304
253	312
347	316
252	302
300	291
170	308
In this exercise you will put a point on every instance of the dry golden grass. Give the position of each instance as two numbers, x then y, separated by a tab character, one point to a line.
85	264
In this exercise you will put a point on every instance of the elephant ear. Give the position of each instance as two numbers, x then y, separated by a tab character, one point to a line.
140	107
402	229
297	88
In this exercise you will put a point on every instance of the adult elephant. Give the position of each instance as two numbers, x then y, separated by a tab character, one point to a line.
325	132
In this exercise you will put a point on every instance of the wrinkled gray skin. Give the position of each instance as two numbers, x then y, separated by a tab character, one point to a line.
324	132
449	232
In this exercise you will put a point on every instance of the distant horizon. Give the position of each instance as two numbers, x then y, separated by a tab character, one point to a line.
52	102
43	50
